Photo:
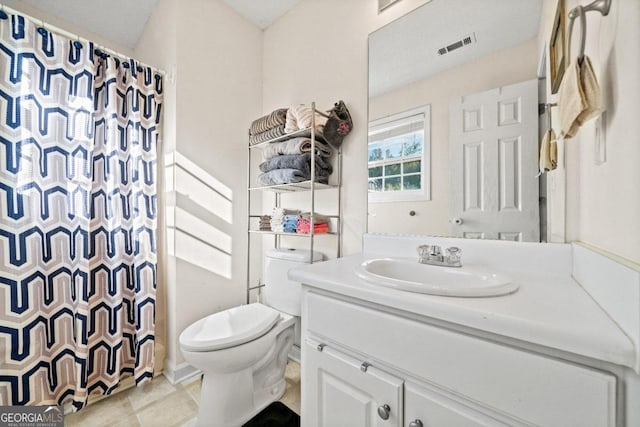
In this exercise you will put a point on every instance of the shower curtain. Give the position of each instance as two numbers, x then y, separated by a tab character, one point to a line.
79	132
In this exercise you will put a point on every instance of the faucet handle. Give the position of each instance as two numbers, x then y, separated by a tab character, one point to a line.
453	250
423	250
453	255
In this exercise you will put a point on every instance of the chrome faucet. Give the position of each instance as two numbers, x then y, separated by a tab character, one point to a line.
433	255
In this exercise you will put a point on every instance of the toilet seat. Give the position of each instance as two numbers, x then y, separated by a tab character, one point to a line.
229	328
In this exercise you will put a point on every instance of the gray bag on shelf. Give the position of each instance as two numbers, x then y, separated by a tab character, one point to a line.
338	125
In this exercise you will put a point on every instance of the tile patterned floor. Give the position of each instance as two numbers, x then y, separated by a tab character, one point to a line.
162	404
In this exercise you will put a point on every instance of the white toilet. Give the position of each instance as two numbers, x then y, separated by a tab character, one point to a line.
243	351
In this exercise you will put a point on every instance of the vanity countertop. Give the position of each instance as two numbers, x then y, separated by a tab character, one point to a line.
549	310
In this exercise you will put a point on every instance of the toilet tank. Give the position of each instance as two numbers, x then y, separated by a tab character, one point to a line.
279	292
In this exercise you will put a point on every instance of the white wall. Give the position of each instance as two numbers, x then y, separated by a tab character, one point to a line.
508	66
318	52
215	57
603	201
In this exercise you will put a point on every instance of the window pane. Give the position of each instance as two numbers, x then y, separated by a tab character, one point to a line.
397	148
375	152
393	169
377	171
408	167
392	184
392	151
413	145
412	182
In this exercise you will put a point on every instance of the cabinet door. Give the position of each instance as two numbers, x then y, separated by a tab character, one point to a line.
338	393
426	407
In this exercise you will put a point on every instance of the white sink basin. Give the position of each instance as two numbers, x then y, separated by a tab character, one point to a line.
410	275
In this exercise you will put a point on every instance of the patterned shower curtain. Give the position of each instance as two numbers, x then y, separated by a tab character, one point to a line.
79	132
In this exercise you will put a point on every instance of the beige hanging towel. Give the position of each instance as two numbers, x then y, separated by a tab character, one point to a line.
548	152
579	97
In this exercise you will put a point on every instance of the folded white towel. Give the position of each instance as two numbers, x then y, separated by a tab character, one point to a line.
299	117
279	212
548	152
579	97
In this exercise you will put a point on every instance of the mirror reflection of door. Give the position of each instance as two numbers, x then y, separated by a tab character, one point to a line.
442	50
493	152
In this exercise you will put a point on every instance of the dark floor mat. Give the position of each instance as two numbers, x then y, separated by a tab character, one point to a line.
275	415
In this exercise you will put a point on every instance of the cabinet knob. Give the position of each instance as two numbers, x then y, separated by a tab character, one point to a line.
416	423
457	221
384	411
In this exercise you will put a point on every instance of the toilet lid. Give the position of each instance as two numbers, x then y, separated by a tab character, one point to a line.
229	328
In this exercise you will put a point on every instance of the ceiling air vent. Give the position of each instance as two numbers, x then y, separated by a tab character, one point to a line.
466	40
383	4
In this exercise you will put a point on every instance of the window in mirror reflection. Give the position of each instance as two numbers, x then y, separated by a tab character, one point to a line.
398	160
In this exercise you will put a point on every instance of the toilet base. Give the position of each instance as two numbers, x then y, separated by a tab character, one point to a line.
227	400
230	399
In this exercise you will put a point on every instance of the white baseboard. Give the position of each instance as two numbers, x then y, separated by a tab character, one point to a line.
180	373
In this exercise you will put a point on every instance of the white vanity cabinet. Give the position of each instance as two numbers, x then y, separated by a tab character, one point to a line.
347	393
359	357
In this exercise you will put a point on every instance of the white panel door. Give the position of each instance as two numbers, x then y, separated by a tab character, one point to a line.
493	147
341	394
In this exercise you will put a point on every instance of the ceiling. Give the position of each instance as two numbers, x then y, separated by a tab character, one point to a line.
124	20
262	12
406	50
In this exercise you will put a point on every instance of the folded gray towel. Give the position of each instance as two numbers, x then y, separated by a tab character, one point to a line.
295	146
289	176
265	136
274	119
301	162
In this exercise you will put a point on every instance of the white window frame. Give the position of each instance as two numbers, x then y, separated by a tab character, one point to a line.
425	180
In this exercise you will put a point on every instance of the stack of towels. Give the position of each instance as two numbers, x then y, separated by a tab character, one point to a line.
320	223
268	127
291	168
278	218
299	117
290	223
283	121
265	223
289	161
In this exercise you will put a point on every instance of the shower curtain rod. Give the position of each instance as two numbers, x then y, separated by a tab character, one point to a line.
71	36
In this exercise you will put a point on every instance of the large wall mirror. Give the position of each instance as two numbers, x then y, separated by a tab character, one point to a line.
454	124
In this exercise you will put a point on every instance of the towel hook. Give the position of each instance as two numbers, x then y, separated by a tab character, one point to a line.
602	6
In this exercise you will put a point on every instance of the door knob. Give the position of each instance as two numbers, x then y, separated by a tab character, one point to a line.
416	423
384	411
457	221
